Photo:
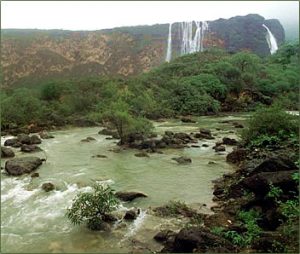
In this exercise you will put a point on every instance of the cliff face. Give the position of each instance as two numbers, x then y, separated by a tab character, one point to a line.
29	56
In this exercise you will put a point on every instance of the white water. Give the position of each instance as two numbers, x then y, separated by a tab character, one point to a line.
169	51
190	43
271	40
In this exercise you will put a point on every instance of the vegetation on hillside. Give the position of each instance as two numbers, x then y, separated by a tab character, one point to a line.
196	84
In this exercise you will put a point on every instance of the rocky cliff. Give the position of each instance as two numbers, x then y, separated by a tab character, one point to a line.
30	56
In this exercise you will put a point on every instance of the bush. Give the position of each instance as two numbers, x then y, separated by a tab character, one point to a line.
92	207
272	121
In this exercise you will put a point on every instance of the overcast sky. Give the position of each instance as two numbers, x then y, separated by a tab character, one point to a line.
93	15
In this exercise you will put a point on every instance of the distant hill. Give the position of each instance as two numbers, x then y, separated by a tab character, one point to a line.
30	56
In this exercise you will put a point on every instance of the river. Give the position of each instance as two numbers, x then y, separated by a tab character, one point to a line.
33	220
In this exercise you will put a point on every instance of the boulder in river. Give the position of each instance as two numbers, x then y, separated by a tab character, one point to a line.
30	148
141	154
34	140
99	156
19	166
131	214
24	139
182	160
237	155
229	141
14	142
187	120
45	135
7	152
88	139
164	235
35	174
48	187
129	196
220	148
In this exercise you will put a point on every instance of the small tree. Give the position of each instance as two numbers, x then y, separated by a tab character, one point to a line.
119	116
92	207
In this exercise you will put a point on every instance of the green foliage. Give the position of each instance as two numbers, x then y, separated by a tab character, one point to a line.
274	192
92	206
51	91
267	123
218	230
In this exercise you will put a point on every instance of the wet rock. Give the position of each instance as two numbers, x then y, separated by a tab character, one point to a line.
220	148
195	146
109	218
19	166
35	175
205	145
237	125
7	152
30	148
275	164
199	240
88	139
45	135
169	133
229	141
182	136
48	187
205	131
99	156
129	196
164	235
34	140
211	163
131	214
24	139
182	160
108	132
260	183
141	154
237	155
14	142
187	120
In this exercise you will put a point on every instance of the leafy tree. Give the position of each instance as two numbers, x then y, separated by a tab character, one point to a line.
51	91
92	207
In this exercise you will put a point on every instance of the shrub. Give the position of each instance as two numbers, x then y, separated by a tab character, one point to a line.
272	121
92	207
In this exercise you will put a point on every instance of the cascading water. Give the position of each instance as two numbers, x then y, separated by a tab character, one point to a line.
169	50
271	40
189	43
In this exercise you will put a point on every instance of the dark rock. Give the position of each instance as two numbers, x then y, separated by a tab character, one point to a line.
203	136
205	145
199	240
164	235
48	187
24	139
7	152
108	132
196	146
205	131
237	155
88	139
260	183
109	218
129	196
229	141
30	148
187	120
14	142
34	140
141	154
45	135
275	164
99	156
169	133
23	165
131	214
237	125
35	175
220	148
211	163
182	136
182	160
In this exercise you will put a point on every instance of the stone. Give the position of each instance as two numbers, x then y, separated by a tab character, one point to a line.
30	148
220	148
141	154
163	235
7	152
19	166
88	139
24	139
129	196
237	155
34	140
48	187
182	160
187	120
12	142
205	145
131	214
99	156
229	141
35	175
45	135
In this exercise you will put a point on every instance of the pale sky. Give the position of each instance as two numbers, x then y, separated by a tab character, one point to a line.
92	15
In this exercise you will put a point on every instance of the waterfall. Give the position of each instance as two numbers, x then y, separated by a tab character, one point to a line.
189	43
271	40
169	50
